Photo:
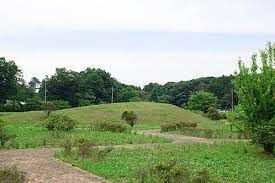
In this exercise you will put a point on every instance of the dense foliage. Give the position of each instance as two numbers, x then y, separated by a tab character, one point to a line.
202	101
178	93
60	123
130	117
67	88
255	87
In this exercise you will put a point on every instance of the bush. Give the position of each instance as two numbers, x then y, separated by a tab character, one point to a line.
4	137
11	106
177	126
172	172
265	135
61	104
112	127
214	114
168	127
100	154
68	147
33	105
130	117
12	175
60	123
84	147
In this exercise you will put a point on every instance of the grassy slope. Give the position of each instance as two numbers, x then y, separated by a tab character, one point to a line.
148	113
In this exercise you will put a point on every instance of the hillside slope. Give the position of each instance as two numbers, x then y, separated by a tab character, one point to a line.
148	113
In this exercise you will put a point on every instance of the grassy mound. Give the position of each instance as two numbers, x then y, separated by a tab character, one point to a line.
148	114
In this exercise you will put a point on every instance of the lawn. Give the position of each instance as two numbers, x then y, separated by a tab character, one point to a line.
229	162
30	135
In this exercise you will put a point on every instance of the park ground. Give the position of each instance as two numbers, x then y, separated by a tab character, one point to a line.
224	159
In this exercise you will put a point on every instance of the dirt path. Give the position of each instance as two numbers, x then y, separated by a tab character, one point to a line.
177	139
41	167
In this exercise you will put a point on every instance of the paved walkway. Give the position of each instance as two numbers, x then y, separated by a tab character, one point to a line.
41	167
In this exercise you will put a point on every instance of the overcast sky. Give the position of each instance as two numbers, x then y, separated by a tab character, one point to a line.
137	41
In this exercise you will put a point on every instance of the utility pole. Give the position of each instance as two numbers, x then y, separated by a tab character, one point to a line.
46	89
112	94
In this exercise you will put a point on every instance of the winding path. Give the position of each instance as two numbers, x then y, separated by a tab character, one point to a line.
41	167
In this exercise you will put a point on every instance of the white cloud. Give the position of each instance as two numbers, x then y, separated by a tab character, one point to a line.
234	16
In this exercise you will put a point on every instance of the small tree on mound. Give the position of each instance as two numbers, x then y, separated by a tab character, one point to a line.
48	107
130	117
255	88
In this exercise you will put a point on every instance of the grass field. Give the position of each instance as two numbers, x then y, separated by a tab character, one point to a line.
29	135
229	162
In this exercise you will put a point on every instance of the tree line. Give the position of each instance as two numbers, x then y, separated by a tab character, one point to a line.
67	88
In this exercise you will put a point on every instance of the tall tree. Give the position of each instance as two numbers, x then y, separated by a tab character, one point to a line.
255	87
9	75
202	101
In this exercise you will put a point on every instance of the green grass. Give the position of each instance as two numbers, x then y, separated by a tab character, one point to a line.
30	135
150	115
229	162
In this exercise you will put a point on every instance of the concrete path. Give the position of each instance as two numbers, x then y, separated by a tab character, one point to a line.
41	167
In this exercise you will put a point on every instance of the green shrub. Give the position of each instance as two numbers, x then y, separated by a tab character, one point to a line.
68	146
172	172
214	114
12	106
130	117
84	147
32	104
177	126
168	127
100	154
111	127
265	135
61	104
12	175
60	123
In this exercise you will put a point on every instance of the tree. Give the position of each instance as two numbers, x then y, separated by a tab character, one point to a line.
130	117
63	85
34	83
202	101
255	88
9	75
48	107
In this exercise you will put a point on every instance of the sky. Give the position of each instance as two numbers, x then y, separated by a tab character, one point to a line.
137	41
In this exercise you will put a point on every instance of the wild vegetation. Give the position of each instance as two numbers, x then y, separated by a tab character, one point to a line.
12	175
228	162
